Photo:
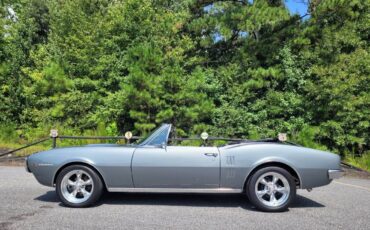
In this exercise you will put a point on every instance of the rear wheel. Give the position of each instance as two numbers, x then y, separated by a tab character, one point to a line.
271	189
78	186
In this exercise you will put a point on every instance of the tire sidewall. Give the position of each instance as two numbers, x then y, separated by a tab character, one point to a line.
97	191
253	197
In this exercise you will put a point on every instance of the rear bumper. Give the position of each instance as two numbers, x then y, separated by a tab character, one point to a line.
335	173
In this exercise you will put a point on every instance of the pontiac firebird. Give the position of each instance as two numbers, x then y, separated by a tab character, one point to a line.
267	172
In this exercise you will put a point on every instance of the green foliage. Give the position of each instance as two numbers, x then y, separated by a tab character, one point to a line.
361	162
8	132
246	69
307	137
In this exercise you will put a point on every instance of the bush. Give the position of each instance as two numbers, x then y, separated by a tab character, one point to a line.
361	162
8	133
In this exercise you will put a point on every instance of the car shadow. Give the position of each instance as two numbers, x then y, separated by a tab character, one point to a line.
49	196
194	200
304	202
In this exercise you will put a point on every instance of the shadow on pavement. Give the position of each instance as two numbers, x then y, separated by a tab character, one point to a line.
304	202
194	200
50	196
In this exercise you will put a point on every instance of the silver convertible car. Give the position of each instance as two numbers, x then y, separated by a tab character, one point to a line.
268	172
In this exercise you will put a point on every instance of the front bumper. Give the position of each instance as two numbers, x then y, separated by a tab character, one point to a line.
335	173
26	165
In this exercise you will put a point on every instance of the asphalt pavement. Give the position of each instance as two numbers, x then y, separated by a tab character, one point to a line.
25	204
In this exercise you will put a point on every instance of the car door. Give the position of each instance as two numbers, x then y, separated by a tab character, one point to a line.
176	167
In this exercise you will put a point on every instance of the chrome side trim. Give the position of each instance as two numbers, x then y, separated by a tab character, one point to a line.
335	173
177	190
44	164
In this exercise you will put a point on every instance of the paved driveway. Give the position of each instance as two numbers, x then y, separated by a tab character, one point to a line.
24	204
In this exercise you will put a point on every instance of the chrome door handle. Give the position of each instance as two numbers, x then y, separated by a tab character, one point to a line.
211	154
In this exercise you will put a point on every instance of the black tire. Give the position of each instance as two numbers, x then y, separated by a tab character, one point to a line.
251	189
95	193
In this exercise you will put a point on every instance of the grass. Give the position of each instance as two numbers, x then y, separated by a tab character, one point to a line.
24	152
13	138
362	162
48	145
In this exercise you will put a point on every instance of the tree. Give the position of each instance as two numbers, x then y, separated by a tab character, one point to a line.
232	68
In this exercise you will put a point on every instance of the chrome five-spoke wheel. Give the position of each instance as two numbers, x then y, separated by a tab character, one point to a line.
271	189
77	186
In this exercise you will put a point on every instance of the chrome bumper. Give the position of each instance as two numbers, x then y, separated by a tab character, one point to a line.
335	173
26	165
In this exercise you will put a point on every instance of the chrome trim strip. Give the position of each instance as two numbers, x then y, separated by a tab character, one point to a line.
335	173
44	164
177	190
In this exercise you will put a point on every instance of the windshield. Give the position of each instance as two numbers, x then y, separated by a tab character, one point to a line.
145	137
156	137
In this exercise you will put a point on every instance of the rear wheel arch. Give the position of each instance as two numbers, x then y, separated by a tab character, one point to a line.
287	167
80	163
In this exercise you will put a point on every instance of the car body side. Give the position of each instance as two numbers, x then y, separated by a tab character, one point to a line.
236	162
311	166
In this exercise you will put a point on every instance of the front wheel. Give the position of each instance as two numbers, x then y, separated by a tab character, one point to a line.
271	189
78	186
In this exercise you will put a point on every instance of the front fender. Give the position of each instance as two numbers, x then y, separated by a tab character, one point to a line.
77	161
113	163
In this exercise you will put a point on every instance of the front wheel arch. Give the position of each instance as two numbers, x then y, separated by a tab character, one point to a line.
79	163
292	171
